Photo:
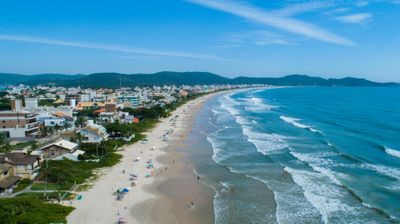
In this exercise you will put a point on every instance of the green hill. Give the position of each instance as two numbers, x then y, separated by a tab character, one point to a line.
115	80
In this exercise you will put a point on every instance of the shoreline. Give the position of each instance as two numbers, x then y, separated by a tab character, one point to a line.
162	198
179	187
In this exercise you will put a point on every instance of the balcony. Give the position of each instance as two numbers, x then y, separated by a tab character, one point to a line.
34	125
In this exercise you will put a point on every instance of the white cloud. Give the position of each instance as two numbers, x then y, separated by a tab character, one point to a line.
117	48
359	18
304	7
257	38
261	16
362	3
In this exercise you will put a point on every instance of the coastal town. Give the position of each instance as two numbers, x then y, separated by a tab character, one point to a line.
54	140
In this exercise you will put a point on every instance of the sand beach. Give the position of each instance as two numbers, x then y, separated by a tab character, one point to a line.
166	188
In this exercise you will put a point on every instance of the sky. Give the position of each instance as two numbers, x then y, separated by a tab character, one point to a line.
261	38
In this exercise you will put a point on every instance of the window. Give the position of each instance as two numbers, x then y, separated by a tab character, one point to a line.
52	152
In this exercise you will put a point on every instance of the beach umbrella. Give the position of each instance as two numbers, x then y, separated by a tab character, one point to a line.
125	190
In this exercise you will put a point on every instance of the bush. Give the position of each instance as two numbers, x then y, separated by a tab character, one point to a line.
26	210
22	185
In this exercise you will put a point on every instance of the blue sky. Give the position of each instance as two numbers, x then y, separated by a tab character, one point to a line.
334	38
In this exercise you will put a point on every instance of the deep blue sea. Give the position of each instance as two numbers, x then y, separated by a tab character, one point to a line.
301	155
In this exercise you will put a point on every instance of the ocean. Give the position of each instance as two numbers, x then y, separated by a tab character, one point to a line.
301	155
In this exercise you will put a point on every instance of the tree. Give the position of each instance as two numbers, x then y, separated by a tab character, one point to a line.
2	138
34	145
80	121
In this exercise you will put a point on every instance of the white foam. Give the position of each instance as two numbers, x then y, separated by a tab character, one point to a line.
230	109
317	163
290	208
216	112
383	170
392	152
264	142
295	122
257	104
216	146
322	195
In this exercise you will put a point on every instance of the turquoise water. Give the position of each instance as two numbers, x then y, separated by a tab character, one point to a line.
302	155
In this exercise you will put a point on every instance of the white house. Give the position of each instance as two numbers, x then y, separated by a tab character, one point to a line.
93	133
54	121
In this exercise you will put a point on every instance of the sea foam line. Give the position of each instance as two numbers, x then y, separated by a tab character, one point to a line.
322	196
265	143
295	122
392	152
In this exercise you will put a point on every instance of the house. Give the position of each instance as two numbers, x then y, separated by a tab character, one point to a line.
89	105
7	179
107	117
93	133
48	120
54	122
58	148
24	166
132	99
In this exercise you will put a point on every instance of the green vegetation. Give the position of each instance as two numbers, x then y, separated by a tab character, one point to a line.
63	174
42	186
80	121
48	197
5	104
150	113
46	102
119	129
22	185
27	210
87	113
21	145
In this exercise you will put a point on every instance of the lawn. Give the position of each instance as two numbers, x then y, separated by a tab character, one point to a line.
42	186
49	195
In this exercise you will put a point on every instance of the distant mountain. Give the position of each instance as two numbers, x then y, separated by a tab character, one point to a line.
304	80
115	80
6	78
112	80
